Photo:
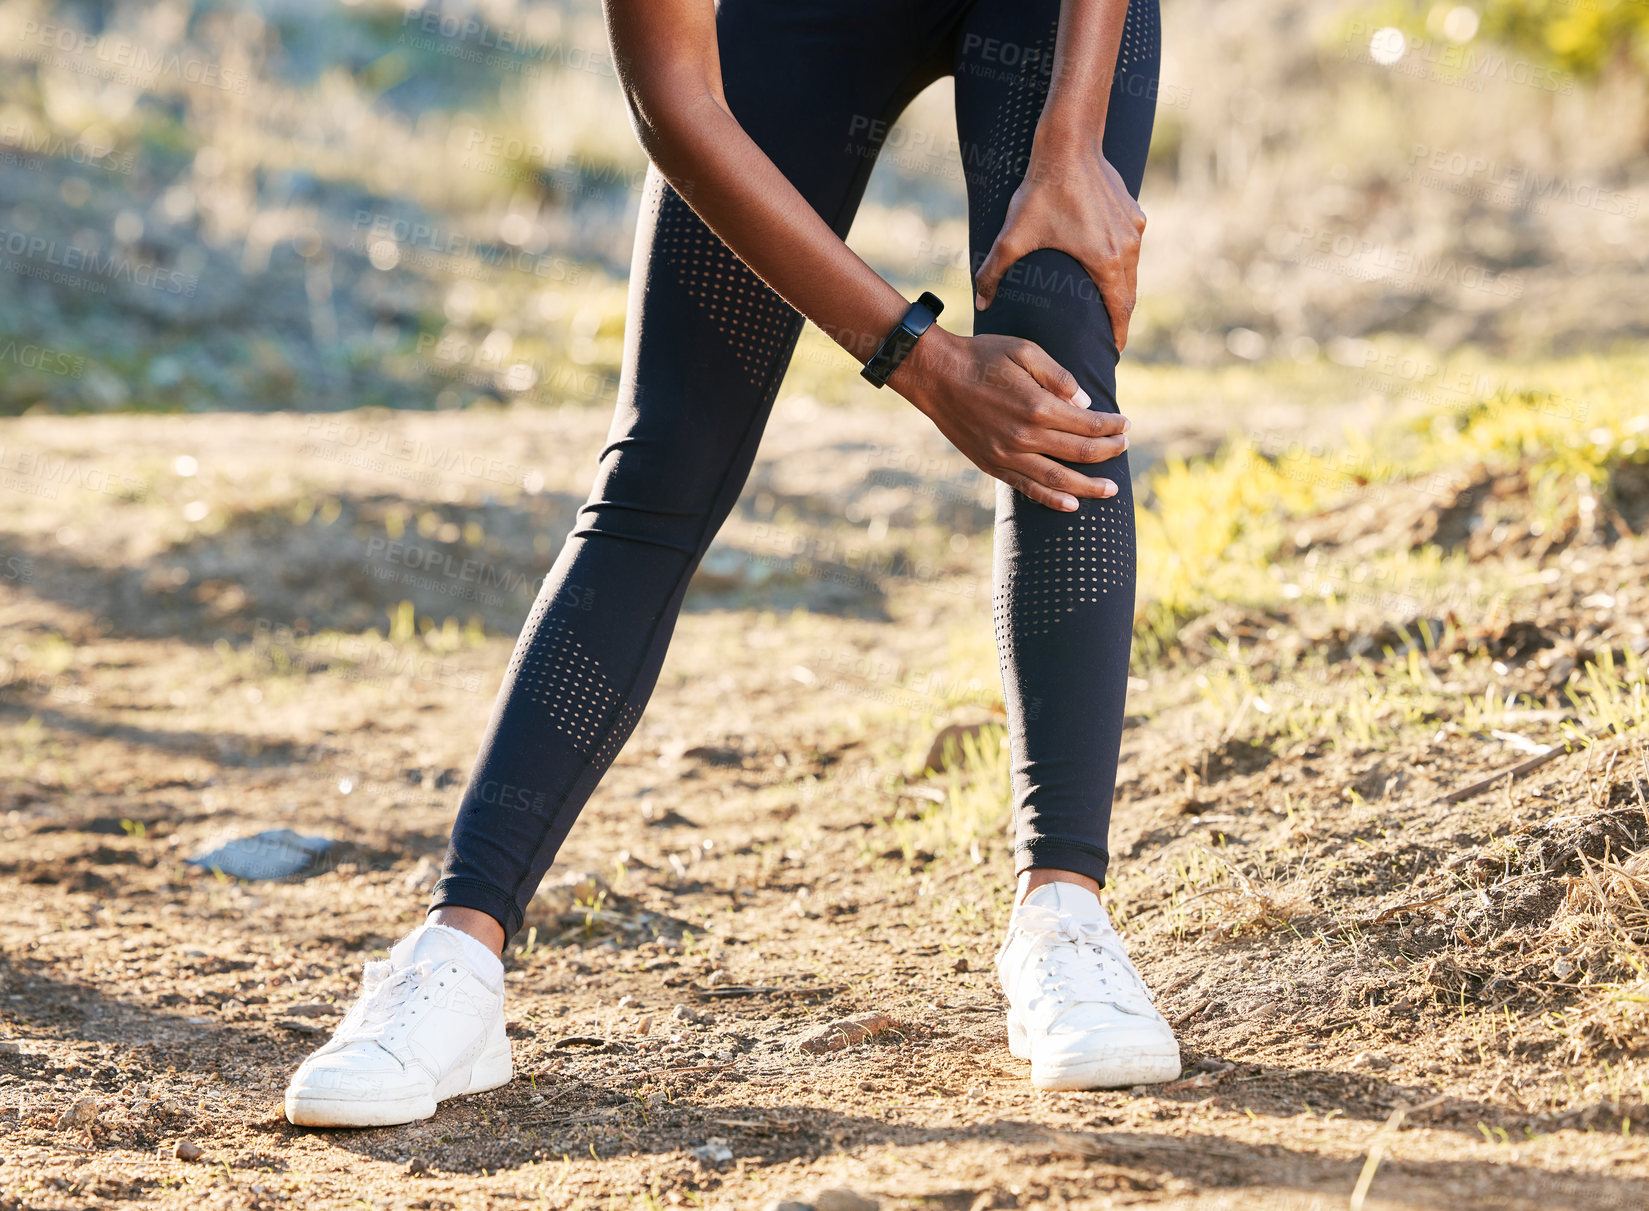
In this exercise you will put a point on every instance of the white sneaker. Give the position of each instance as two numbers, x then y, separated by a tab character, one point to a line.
1077	1008
427	1026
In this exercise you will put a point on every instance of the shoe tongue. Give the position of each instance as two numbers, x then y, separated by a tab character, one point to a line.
430	942
1068	900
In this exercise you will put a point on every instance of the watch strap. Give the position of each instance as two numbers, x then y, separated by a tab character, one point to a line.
918	319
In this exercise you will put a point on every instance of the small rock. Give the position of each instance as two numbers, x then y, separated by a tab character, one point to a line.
713	1151
417	1165
789	1204
723	569
1563	969
7	1047
684	1013
844	1032
717	976
625	1001
994	1200
275	853
840	1198
1371	1059
646	1024
313	1009
82	1114
572	891
946	750
187	1150
960	965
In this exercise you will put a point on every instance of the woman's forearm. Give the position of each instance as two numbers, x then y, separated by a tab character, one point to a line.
1085	58
744	198
668	63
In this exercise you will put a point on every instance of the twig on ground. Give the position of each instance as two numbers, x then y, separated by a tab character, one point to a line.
1489	783
690	1068
762	990
1185	1017
1377	1149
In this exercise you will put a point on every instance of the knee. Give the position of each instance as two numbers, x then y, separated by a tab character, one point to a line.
1047	297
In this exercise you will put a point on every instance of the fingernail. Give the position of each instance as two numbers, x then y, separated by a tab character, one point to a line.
1127	424
1081	399
1110	488
979	303
1068	504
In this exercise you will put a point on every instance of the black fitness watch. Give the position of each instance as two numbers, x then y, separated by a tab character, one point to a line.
918	319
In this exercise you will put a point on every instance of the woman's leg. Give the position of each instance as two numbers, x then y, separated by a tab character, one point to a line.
1064	601
1064	582
706	345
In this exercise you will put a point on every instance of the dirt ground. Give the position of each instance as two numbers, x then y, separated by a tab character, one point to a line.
1368	972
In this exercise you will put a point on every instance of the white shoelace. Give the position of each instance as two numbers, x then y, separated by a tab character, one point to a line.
384	995
1084	959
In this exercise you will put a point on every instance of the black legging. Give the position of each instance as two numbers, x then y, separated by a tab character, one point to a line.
816	83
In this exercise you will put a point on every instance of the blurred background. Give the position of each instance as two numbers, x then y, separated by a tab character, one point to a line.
298	204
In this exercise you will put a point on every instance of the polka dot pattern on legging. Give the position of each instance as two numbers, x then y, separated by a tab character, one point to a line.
1078	566
749	312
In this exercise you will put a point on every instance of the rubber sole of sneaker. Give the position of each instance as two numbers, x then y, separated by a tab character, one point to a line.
491	1070
1112	1072
1108	1072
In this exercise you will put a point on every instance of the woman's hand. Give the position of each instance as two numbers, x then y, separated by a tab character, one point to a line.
1073	200
1011	410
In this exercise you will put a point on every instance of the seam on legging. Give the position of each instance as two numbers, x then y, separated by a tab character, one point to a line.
619	504
586	532
1063	843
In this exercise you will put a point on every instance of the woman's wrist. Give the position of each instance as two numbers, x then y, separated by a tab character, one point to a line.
915	375
1067	126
